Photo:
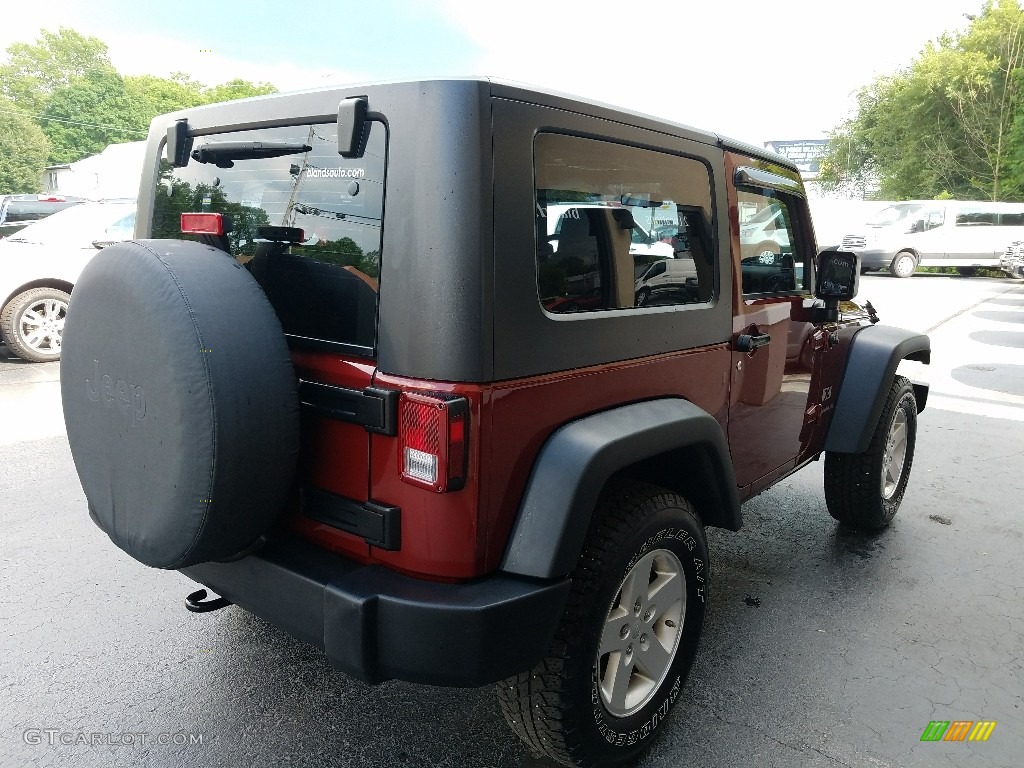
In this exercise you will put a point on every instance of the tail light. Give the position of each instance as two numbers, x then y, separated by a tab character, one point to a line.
433	433
202	223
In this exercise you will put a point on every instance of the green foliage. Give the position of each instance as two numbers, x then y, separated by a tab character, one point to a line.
235	89
89	113
65	85
945	126
158	95
35	70
23	151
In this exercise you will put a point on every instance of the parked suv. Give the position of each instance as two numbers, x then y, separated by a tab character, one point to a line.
336	390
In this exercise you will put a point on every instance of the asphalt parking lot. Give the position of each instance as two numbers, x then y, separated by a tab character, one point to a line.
822	647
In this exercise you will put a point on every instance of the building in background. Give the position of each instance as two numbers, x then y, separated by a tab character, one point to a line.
833	215
806	154
114	173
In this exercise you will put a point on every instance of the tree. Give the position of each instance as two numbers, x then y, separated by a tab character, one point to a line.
89	113
35	70
943	126
66	83
158	95
24	150
235	89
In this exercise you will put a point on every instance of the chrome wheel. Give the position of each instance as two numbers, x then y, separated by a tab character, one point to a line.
641	632
895	454
41	325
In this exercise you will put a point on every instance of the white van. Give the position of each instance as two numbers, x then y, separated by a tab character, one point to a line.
672	280
766	233
937	233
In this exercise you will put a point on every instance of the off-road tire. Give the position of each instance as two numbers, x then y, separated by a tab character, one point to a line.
854	482
558	707
11	320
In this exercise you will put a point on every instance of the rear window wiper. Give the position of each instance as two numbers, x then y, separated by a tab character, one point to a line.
224	153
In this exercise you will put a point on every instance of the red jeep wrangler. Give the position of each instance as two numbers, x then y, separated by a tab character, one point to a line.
382	378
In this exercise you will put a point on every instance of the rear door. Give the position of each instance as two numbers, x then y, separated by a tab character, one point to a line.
307	225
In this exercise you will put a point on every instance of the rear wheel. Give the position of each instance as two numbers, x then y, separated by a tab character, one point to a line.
627	638
903	265
864	490
32	324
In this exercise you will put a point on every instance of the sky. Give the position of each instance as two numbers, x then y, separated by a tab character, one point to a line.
756	71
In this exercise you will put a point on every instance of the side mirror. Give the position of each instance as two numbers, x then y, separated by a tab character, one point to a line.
838	277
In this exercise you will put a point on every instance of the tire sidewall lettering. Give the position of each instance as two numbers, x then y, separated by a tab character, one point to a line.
677	534
629	738
682	543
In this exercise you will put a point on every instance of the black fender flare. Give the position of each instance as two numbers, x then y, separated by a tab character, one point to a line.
579	457
874	354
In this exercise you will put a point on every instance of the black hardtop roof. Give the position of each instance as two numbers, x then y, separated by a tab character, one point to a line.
212	115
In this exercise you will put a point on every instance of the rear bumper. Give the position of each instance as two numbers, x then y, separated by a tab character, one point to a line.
376	625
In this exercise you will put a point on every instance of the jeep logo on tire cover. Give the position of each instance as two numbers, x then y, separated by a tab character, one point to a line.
127	397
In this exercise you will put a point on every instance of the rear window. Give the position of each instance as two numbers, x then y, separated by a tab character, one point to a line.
323	289
975	216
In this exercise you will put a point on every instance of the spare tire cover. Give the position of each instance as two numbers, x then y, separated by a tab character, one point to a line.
180	401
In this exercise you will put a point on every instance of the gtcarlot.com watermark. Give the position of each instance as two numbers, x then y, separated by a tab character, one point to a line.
56	736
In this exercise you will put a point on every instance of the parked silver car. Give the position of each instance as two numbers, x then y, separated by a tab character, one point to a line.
39	266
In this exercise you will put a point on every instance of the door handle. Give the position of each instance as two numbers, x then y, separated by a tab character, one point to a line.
746	342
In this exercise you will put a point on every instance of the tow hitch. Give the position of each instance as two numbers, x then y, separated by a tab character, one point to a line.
197	602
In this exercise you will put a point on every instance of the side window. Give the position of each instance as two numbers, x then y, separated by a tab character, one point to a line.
620	227
770	258
975	216
933	218
1012	219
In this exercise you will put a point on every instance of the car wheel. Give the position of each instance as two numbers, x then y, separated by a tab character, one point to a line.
904	264
864	490
32	324
627	638
967	271
643	296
